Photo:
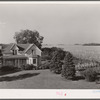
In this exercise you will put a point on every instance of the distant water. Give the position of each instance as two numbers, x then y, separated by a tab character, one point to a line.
89	52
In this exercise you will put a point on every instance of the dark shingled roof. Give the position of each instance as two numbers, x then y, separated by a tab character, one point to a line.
22	47
7	48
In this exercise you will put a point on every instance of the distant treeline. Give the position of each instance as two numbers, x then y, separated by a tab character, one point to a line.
89	44
92	44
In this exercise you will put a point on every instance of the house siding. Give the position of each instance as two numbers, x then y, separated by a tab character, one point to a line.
29	51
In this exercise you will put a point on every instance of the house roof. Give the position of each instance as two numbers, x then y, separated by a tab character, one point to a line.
4	45
7	48
22	47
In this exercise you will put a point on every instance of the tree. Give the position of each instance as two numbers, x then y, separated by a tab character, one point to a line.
28	36
56	64
48	53
68	70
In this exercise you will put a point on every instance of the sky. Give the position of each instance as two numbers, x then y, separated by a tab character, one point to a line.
57	23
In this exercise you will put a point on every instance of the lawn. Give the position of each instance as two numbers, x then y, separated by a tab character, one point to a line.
42	79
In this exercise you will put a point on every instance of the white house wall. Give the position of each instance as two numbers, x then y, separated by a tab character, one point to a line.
27	61
30	61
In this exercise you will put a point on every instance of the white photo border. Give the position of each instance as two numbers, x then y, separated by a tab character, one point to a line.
50	93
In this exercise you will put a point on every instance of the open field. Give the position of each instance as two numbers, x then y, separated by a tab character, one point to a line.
42	79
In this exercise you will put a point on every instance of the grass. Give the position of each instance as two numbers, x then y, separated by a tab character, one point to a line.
43	80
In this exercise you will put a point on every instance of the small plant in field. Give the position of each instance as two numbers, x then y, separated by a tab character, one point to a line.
68	70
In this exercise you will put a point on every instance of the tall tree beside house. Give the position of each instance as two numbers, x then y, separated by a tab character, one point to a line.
29	36
68	69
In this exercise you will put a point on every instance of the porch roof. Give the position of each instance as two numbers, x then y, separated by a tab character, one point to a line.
15	57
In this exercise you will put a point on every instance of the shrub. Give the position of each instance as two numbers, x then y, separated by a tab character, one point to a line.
45	65
8	68
23	67
48	53
58	67
90	74
56	64
28	67
46	57
68	70
51	66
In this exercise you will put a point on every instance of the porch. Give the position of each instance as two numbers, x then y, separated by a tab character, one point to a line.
16	61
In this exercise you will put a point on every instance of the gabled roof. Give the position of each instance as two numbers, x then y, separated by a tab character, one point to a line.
22	47
4	45
7	48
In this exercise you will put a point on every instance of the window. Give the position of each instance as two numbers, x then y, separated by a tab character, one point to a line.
32	52
34	61
14	52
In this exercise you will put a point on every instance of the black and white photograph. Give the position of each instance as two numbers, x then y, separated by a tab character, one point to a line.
49	45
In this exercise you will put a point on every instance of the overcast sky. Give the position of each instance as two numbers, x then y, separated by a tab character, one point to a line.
58	23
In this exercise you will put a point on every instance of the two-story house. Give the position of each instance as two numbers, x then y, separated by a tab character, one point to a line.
21	54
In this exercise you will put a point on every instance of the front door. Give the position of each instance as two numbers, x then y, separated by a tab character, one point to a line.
35	61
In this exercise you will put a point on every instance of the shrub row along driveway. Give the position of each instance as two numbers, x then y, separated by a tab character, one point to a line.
42	79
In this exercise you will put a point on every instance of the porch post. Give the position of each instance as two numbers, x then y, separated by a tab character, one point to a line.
15	62
18	63
3	62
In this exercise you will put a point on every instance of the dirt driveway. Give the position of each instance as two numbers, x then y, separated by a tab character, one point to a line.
42	79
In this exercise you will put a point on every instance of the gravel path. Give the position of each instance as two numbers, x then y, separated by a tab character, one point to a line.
42	79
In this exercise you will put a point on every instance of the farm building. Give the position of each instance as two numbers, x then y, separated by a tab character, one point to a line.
21	54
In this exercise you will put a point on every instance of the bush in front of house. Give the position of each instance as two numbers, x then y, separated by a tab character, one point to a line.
28	67
45	65
68	69
8	68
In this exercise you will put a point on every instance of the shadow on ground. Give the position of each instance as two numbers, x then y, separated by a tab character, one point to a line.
77	78
19	77
8	72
